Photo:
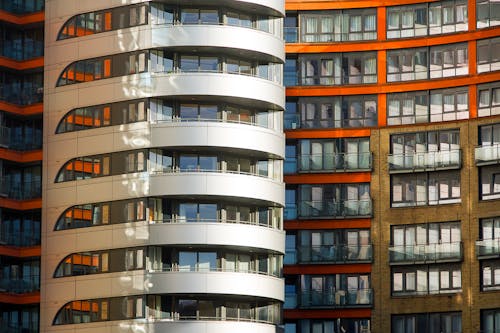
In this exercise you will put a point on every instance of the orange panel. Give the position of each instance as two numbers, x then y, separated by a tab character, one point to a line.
381	66
472	51
382	109
328	133
393	86
20	252
471	14
381	23
21	204
390	44
28	298
327	269
472	101
328	178
21	157
21	110
327	224
21	65
38	17
327	313
329	4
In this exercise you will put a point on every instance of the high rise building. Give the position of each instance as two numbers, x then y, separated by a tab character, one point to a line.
163	201
21	92
392	166
163	151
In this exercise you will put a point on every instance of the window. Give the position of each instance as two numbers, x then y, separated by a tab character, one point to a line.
337	68
488	99
411	64
488	55
407	64
448	60
447	17
105	20
334	155
425	150
334	200
338	112
490	275
329	26
407	21
331	325
343	245
426	19
432	188
157	307
161	210
334	290
489	182
427	106
433	322
429	242
427	279
488	13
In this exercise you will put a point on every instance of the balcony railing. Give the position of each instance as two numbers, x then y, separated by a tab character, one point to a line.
30	284
334	253
19	239
292	121
425	161
20	190
340	162
19	143
336	299
485	155
332	209
22	7
488	248
426	253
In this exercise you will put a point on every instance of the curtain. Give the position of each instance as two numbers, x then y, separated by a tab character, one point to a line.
407	19
370	23
393	20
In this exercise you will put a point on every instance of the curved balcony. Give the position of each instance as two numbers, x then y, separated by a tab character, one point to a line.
250	41
224	87
425	161
341	298
215	134
268	93
274	7
336	210
488	248
426	253
123	235
487	155
173	282
163	322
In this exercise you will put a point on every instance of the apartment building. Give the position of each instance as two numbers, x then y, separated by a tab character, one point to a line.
163	150
21	92
392	166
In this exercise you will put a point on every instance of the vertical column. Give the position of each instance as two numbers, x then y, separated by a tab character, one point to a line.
473	101
382	110
472	14
381	23
472	52
381	66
